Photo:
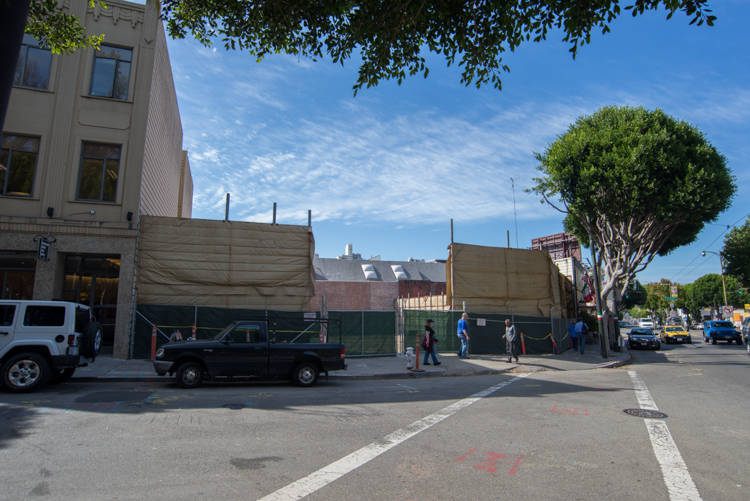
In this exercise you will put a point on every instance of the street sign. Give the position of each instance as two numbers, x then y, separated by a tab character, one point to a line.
673	290
43	253
673	306
672	313
727	310
671	299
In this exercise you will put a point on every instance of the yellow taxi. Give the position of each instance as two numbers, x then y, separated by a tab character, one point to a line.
675	334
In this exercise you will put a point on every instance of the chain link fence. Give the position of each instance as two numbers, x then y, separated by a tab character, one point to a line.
364	333
486	331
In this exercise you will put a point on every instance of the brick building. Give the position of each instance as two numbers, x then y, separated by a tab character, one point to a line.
374	285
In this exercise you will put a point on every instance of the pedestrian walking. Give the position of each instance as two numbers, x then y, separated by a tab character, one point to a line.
573	335
428	343
582	330
510	341
463	335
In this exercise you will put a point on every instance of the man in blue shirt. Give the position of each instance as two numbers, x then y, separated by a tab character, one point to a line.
573	335
463	335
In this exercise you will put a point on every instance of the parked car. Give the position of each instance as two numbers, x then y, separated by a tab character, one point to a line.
746	333
641	337
675	334
720	330
247	348
42	342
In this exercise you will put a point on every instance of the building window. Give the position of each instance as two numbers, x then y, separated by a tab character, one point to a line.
18	165
111	74
100	164
34	63
17	274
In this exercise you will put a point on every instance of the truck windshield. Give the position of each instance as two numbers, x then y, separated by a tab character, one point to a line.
223	331
722	324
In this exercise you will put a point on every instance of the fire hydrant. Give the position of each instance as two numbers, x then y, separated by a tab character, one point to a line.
410	358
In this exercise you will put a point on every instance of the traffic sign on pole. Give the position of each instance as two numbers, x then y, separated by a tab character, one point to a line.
727	310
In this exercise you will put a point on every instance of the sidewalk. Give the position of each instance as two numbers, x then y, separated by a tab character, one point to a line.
107	368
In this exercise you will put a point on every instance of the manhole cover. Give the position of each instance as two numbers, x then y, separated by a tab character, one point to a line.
646	413
234	406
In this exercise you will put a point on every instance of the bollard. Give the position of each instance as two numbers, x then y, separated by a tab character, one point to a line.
555	351
192	336
320	335
247	335
410	358
523	345
417	351
153	342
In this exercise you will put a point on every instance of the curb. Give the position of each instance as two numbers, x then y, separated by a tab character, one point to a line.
618	363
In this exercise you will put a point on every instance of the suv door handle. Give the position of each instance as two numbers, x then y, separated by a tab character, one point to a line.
4	333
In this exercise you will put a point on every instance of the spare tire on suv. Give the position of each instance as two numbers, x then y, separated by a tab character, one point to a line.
91	340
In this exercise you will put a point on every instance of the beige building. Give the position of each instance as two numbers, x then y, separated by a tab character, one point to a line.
92	141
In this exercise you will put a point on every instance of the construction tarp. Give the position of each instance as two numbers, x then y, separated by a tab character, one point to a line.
231	264
501	280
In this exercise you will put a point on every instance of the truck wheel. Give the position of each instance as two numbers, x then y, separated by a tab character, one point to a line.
25	372
739	342
61	375
713	341
748	348
305	374
91	340
189	375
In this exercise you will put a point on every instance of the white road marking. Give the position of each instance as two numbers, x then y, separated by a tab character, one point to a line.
642	393
336	470
404	386
673	469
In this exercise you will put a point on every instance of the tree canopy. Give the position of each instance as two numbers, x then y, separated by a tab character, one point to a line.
390	36
736	253
639	182
708	291
60	32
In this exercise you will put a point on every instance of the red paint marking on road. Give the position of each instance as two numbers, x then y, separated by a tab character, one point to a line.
515	465
571	411
470	453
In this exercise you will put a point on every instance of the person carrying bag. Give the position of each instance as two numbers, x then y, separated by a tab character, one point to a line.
428	343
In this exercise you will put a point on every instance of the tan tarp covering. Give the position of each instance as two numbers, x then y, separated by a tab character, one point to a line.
229	264
500	280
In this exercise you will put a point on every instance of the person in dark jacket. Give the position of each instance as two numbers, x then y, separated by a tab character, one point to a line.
428	343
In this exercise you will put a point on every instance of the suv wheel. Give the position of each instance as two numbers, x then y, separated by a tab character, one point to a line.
305	374
25	372
91	340
61	375
189	375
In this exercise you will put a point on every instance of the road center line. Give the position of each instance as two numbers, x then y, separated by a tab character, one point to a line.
673	469
336	470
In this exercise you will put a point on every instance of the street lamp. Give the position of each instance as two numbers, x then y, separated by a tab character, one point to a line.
721	263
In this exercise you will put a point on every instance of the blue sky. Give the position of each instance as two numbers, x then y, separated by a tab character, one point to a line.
388	169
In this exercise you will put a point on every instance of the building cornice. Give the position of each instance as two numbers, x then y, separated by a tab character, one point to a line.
58	227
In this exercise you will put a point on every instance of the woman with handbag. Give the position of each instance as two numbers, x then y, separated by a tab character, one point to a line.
428	343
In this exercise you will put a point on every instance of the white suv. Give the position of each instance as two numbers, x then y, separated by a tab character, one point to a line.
646	322
44	341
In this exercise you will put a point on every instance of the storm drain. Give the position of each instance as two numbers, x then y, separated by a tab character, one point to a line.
645	413
235	407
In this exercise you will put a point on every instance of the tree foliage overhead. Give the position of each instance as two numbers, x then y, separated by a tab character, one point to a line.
58	31
640	182
736	253
390	36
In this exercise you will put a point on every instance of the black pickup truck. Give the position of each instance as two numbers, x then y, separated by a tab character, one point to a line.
247	348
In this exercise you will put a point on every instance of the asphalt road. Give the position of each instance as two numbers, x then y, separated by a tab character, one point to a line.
548	435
